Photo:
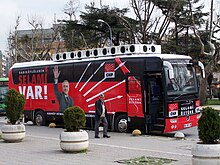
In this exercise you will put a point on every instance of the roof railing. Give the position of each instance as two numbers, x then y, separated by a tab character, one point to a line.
108	51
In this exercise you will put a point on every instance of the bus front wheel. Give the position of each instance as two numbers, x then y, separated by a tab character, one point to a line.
121	123
39	119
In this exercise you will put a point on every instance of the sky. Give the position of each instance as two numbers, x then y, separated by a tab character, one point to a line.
46	10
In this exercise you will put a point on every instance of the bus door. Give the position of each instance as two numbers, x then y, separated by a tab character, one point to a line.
153	102
134	101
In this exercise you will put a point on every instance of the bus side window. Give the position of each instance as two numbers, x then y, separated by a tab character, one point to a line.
155	91
134	85
3	93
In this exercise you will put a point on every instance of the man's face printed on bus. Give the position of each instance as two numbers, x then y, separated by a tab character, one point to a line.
65	86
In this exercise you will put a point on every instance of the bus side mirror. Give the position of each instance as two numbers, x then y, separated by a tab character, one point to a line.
170	69
202	69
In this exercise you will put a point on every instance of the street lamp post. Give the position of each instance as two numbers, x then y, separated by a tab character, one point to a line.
110	30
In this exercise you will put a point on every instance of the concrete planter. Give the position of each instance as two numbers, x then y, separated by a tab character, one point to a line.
13	133
206	154
74	141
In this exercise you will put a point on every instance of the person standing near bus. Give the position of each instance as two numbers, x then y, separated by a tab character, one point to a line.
63	98
100	116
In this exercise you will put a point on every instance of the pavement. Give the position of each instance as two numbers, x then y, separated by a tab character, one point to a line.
35	150
41	147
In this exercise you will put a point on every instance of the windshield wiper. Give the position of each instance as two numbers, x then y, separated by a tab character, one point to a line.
182	94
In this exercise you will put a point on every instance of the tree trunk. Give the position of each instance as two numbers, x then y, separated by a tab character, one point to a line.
204	83
203	91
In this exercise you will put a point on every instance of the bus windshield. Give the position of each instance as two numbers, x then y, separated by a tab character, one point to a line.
3	93
184	80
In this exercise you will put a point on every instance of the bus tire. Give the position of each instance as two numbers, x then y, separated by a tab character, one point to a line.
39	118
121	123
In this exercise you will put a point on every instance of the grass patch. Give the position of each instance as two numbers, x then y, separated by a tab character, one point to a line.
213	102
143	160
77	152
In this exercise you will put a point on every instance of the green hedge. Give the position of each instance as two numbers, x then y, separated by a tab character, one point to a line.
14	105
74	119
209	126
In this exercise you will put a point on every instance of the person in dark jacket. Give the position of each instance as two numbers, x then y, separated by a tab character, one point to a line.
100	116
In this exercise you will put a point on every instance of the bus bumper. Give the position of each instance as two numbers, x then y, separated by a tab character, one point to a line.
180	123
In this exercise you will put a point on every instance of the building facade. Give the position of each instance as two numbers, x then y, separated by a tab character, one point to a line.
3	65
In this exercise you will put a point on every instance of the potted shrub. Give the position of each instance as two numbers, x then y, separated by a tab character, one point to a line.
74	139
207	150
13	131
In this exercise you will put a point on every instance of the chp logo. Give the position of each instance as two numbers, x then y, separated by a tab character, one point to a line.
173	113
173	110
109	70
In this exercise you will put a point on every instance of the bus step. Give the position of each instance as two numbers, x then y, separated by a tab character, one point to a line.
161	114
157	127
160	120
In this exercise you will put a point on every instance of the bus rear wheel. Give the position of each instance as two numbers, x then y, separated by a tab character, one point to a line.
39	118
121	123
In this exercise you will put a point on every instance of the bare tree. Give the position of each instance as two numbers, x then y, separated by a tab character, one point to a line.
34	44
152	26
12	42
213	54
71	8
